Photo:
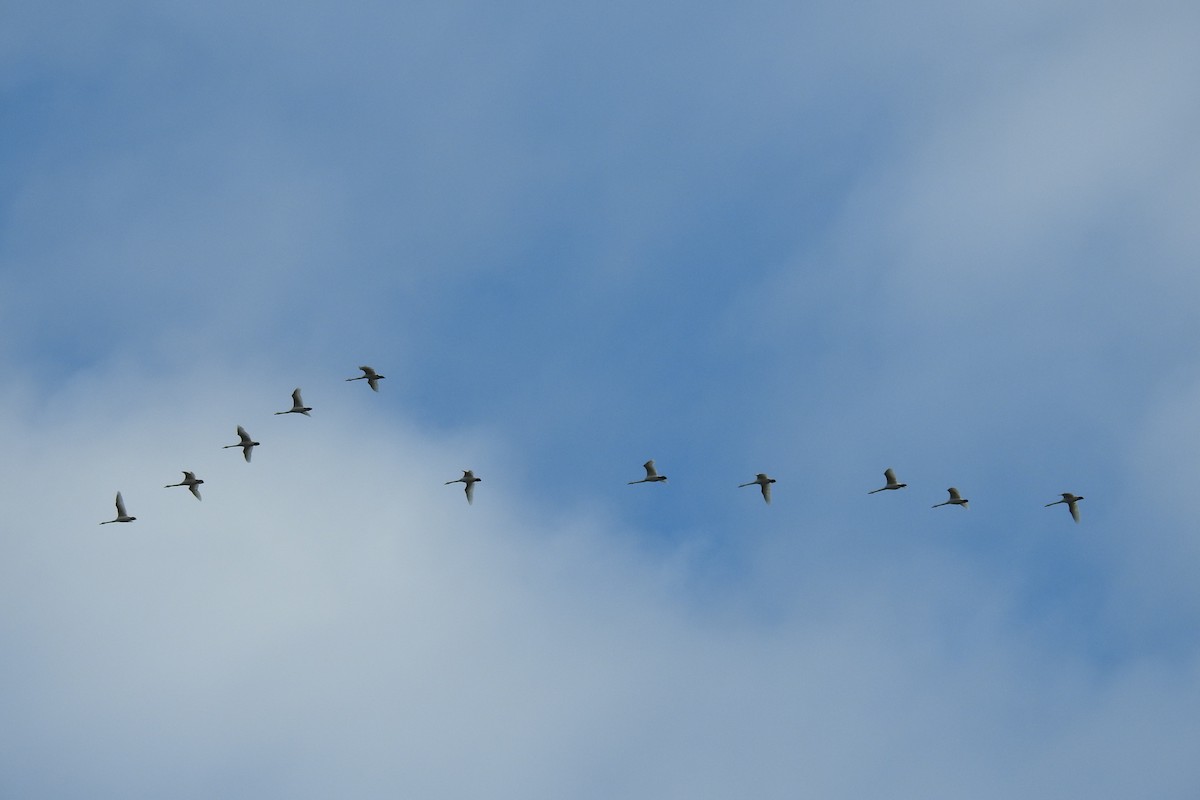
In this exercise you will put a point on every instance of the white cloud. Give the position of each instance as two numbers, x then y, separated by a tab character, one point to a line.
332	618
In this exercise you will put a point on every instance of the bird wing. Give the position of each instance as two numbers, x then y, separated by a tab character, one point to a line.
296	401
470	492
368	372
245	437
954	495
121	506
890	474
651	472
766	490
1074	510
196	491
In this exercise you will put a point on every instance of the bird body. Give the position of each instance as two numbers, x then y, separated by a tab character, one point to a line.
764	481
247	444
468	477
122	515
1070	500
370	376
956	499
190	481
298	406
652	475
890	476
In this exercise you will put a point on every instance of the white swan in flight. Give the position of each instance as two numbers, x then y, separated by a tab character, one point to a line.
956	499
652	475
1071	501
470	480
122	515
890	476
247	444
370	376
190	481
761	480
298	406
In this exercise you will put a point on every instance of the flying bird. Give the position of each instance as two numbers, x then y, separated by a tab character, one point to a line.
1071	501
370	376
652	475
247	444
765	482
470	480
298	406
890	475
122	515
190	481
956	499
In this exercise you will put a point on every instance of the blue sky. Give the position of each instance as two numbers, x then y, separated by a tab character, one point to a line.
815	241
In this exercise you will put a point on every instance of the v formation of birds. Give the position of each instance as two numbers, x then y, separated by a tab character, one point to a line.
469	479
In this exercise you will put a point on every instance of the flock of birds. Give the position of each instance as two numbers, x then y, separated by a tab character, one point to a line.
762	480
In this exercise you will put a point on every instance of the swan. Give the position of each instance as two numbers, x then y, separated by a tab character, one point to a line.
1071	501
122	515
247	444
765	482
890	475
468	477
191	481
298	406
955	499
652	475
370	376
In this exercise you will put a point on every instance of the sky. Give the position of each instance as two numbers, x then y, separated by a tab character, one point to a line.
813	240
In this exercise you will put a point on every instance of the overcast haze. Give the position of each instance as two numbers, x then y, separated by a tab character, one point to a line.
808	240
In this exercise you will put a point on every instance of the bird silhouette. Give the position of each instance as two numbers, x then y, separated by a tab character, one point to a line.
652	475
890	476
1071	501
761	480
122	515
247	444
468	477
190	481
298	406
370	376
956	499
